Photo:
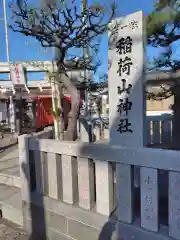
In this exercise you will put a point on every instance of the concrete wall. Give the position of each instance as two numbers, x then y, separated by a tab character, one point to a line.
63	223
163	105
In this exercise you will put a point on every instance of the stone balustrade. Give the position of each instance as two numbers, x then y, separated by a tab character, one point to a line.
159	130
95	178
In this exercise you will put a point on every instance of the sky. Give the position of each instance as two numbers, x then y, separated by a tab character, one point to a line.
26	49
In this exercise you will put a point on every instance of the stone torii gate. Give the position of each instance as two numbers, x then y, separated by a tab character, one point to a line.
76	75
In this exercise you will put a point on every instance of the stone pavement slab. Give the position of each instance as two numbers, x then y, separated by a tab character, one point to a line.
9	231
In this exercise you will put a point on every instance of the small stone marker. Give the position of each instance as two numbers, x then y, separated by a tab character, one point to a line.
174	204
149	198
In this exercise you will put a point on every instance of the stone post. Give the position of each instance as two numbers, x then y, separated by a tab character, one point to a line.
176	119
24	164
85	173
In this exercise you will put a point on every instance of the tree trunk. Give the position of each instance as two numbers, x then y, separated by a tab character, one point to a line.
71	133
54	105
59	106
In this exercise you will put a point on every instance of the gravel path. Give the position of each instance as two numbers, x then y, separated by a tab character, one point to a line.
9	231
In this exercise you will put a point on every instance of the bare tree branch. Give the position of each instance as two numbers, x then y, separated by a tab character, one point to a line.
67	28
63	28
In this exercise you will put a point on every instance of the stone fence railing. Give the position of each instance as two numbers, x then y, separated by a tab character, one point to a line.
159	129
86	181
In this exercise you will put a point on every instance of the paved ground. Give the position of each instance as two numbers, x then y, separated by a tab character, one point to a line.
7	141
9	231
9	165
9	161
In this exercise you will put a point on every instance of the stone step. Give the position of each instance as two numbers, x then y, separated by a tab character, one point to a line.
11	204
10	180
9	168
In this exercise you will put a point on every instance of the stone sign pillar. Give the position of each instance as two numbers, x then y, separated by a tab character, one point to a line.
126	81
126	100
